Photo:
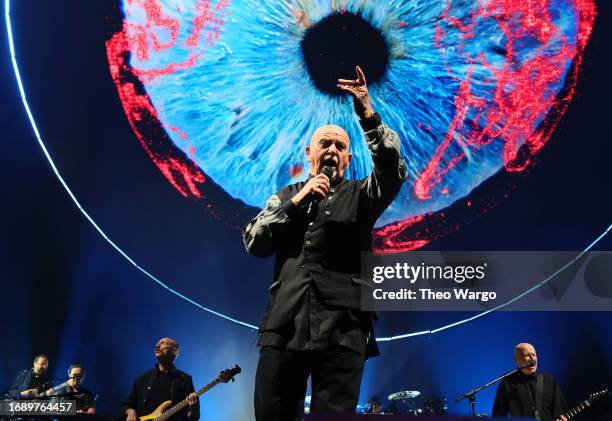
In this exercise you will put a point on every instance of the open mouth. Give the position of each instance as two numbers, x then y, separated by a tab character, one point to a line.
331	161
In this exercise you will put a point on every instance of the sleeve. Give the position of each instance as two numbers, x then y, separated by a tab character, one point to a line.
195	411
261	235
559	405
18	385
131	399
389	170
500	407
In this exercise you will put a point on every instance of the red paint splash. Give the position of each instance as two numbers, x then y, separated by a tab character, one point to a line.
522	95
184	176
389	239
295	171
181	133
142	38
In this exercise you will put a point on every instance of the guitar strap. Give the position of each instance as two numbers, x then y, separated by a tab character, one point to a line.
539	396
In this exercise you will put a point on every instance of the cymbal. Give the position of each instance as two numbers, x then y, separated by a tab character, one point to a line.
403	395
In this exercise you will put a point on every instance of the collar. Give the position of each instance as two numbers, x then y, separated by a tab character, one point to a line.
526	377
171	369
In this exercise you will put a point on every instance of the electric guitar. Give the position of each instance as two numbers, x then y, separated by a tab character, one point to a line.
572	413
162	412
52	390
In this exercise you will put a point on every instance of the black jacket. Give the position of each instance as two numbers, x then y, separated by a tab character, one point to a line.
516	397
181	386
27	379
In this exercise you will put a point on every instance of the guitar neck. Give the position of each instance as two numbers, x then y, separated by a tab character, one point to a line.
53	389
182	404
577	409
572	413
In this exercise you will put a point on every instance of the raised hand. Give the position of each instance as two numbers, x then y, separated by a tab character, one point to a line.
358	89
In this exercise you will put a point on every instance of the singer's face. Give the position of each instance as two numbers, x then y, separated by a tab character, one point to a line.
525	353
40	365
329	146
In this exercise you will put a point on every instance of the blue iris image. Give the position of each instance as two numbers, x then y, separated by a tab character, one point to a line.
255	79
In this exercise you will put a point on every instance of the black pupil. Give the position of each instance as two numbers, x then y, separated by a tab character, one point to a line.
335	45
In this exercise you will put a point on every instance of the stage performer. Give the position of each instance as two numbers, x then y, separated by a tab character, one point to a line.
517	394
74	390
164	382
33	382
318	229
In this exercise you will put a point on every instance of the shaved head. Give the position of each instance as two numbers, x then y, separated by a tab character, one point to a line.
166	347
329	146
523	354
523	346
329	130
169	341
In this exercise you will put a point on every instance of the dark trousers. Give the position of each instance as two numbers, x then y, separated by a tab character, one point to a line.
282	376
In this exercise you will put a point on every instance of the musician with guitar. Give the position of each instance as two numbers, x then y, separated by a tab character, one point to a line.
527	393
33	382
162	384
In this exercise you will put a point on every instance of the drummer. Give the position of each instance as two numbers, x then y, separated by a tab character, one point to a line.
375	405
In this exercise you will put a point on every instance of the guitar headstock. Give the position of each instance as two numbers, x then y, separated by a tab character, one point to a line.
227	375
598	395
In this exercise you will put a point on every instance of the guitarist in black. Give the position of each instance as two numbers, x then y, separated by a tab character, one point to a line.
31	383
528	393
164	382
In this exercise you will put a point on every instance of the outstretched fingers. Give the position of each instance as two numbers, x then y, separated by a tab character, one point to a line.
349	82
348	89
360	76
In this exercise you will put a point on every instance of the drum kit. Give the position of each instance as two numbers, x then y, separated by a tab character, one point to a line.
406	402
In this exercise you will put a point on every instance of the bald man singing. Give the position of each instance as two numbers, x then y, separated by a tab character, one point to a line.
318	230
517	394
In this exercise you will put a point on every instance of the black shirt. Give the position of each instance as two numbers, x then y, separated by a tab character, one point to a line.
312	324
160	391
318	327
154	387
516	397
315	297
83	397
28	379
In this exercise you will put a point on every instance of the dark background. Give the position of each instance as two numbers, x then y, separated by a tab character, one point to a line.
67	293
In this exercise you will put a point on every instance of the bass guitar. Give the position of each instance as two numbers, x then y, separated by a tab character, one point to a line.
163	411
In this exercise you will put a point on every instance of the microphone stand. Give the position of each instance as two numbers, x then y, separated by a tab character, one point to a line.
471	395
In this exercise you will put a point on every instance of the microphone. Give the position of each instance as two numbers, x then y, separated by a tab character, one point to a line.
526	365
329	172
